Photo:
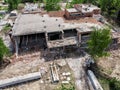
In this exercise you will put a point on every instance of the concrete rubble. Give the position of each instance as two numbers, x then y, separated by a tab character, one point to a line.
19	79
54	73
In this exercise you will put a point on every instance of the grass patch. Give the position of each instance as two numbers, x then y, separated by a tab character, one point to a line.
71	84
107	82
66	87
3	8
2	16
104	82
6	28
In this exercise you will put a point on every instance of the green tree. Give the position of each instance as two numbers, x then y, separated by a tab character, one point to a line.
13	4
5	1
77	1
99	41
52	5
109	7
3	49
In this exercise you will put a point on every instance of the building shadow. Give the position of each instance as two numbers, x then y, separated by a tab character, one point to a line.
60	53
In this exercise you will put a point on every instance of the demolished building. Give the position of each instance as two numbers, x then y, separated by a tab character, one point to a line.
40	31
82	10
46	32
35	31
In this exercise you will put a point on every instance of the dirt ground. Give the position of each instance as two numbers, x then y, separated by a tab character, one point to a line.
32	63
111	64
76	64
28	65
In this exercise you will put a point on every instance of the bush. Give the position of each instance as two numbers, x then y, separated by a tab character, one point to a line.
52	5
13	4
114	84
3	50
7	27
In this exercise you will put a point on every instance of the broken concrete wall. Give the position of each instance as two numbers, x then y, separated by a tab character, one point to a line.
54	36
70	33
19	79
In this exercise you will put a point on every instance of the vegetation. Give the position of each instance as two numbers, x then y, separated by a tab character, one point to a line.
1	16
109	84
99	41
65	87
109	8
3	50
114	84
52	5
21	6
13	4
6	27
77	1
70	5
3	8
104	83
5	1
105	79
32	1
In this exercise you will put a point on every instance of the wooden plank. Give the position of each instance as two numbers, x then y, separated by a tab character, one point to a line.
54	73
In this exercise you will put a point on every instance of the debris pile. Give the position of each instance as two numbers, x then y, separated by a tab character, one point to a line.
65	77
30	7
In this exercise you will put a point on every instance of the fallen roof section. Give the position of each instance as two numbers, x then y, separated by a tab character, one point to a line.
27	24
88	27
64	42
